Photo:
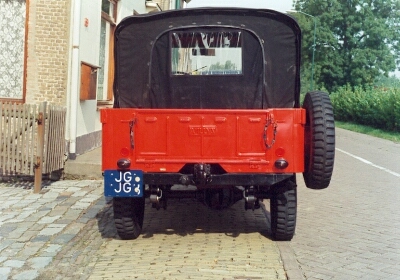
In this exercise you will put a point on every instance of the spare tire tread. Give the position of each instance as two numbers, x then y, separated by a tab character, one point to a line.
320	140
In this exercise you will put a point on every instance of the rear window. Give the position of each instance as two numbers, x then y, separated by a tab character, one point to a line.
206	53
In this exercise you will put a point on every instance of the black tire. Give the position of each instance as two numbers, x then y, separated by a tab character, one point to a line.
319	142
283	208
128	216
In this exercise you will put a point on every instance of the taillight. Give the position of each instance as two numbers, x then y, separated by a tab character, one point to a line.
123	163
281	163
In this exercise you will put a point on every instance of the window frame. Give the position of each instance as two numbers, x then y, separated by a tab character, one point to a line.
111	20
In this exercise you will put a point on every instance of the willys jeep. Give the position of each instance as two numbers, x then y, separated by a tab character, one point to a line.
207	105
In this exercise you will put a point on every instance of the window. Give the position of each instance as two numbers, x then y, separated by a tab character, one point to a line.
106	63
206	53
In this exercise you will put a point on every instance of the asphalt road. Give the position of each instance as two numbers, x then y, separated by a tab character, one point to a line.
351	230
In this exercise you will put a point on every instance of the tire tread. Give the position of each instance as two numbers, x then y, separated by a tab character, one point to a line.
283	211
128	217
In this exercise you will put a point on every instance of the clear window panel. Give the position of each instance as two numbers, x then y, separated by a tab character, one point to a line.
102	75
206	53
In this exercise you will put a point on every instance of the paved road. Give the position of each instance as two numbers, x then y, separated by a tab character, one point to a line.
348	231
352	229
190	241
67	232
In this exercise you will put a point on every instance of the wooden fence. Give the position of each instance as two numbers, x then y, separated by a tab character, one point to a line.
32	142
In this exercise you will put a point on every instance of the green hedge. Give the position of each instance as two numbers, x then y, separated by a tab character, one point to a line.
376	107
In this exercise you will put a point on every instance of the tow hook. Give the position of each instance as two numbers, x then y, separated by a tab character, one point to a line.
202	174
157	198
251	201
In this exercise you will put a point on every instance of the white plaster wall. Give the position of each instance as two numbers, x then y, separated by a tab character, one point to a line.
90	35
89	53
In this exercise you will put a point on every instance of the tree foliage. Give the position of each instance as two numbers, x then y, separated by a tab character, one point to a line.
227	66
387	82
356	40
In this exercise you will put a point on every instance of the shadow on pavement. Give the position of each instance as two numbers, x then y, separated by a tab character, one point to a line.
188	216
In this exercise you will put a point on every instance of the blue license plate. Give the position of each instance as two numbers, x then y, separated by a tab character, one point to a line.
123	183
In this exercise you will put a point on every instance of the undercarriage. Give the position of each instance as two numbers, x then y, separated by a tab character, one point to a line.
217	191
216	198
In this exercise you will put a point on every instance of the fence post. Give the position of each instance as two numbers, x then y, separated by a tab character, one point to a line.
40	148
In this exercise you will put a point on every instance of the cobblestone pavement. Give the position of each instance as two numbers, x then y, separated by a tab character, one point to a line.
190	241
35	228
67	232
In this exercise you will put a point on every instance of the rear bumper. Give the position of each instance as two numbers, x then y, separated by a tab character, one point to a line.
231	179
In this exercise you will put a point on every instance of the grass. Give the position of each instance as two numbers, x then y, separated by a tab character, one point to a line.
388	135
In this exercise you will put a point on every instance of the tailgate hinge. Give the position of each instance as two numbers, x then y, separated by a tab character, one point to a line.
132	133
270	121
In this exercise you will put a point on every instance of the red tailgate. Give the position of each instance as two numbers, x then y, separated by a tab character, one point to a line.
241	141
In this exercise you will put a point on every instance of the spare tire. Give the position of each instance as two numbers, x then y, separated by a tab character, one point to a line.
319	142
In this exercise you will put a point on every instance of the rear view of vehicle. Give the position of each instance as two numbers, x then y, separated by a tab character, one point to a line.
207	106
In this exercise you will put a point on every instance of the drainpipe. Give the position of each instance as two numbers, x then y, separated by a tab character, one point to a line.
69	67
74	93
177	4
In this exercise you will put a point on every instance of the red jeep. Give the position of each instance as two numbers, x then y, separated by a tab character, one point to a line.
207	105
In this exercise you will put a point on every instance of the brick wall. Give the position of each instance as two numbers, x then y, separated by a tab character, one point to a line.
48	51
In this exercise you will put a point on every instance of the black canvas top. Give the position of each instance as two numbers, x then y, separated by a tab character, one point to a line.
261	67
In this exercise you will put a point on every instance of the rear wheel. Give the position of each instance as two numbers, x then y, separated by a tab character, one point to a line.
128	216
319	144
283	210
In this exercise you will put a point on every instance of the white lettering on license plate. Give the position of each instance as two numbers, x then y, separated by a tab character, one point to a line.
124	183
